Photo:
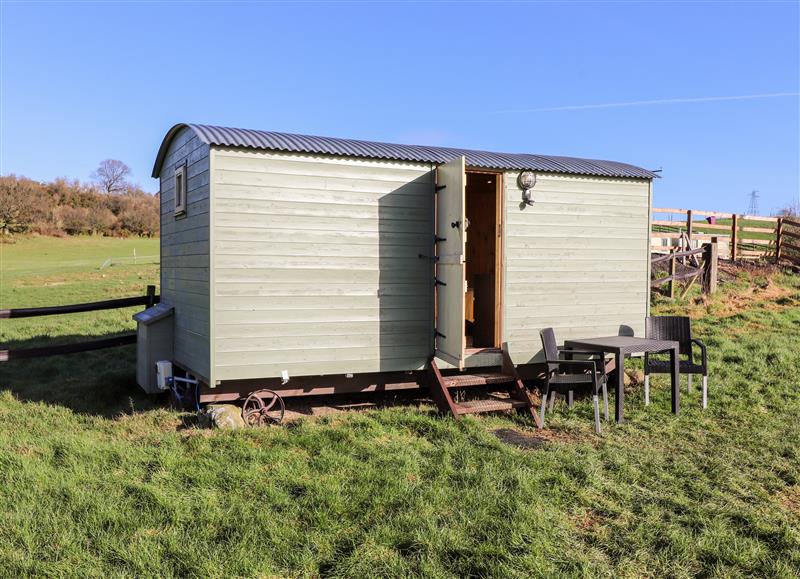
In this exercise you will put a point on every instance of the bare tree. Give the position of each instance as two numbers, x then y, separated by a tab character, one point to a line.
110	175
791	210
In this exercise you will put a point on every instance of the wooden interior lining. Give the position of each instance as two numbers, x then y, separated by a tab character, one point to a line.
483	256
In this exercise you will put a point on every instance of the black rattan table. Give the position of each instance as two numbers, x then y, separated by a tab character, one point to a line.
624	346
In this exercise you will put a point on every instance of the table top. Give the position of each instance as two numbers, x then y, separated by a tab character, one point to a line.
622	344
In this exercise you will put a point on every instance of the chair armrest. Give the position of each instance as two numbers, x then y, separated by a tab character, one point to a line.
563	350
584	364
703	352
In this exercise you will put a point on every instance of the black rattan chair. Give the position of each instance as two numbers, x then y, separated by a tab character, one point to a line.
679	329
566	376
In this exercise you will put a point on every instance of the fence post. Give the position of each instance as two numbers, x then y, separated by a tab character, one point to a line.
778	240
689	225
151	295
734	236
710	275
672	270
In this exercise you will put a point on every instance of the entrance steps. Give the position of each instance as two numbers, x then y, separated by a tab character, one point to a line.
505	379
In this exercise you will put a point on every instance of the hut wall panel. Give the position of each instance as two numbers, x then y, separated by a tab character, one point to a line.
184	252
315	264
576	260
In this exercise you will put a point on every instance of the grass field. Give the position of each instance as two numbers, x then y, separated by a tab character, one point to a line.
97	481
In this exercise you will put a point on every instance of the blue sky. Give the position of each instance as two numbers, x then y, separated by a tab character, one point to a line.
85	81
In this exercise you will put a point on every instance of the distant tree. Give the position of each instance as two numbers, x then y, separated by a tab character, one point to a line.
101	220
791	210
71	207
74	220
23	204
111	176
138	213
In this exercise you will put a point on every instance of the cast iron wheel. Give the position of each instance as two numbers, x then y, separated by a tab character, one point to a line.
263	407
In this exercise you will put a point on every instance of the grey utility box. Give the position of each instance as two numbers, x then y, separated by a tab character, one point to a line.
154	334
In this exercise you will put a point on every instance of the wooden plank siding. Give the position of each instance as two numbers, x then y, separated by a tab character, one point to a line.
185	252
316	267
576	260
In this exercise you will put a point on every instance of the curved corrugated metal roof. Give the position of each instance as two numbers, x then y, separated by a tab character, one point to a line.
267	140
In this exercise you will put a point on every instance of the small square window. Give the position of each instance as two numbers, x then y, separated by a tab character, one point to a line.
180	190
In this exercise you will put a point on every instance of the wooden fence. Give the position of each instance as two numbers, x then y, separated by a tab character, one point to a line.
746	237
694	264
147	300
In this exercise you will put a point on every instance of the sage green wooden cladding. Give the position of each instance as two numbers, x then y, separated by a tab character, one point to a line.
316	264
185	252
576	260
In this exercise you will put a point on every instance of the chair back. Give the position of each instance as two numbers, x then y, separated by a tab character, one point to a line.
676	328
550	347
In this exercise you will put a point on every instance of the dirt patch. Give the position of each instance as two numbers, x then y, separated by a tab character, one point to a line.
736	303
520	439
789	499
320	406
587	520
768	293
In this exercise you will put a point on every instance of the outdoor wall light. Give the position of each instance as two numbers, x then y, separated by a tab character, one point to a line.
526	181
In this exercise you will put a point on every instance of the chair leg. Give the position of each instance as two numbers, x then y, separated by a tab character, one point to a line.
647	390
552	400
544	405
705	392
605	401
596	413
689	386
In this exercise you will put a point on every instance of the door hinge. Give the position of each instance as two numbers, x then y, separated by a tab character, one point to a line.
440	187
437	239
431	257
437	281
438	334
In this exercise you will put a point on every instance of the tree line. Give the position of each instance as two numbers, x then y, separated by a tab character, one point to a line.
107	205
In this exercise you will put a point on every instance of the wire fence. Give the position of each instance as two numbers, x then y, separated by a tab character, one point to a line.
130	260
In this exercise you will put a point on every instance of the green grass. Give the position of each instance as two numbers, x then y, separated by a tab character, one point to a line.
45	271
97	481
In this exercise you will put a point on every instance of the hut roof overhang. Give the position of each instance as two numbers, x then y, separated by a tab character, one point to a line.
288	142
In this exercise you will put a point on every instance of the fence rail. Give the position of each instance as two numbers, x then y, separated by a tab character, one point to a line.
745	240
694	269
149	299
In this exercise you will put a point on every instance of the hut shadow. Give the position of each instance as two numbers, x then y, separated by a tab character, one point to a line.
405	289
96	383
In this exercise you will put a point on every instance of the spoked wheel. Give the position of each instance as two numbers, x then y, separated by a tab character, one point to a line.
263	407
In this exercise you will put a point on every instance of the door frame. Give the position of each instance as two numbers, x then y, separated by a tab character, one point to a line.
499	223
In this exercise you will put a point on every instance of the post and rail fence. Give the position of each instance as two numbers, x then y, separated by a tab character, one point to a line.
691	269
740	237
147	300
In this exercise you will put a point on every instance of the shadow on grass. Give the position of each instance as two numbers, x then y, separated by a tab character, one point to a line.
98	383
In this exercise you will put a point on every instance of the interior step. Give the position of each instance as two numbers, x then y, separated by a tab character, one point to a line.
476	379
488	405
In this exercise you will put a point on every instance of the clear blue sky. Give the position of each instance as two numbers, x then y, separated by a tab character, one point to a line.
85	81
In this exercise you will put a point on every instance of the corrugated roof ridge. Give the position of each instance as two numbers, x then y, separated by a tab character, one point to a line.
271	140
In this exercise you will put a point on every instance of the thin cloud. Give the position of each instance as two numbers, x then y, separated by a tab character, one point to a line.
742	97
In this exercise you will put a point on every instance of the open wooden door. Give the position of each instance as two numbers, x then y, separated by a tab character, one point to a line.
451	182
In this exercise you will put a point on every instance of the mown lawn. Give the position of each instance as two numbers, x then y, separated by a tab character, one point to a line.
96	480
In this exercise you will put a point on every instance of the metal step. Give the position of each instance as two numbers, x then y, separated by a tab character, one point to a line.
488	405
477	379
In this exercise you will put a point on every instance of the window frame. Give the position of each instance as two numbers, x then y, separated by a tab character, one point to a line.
180	190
